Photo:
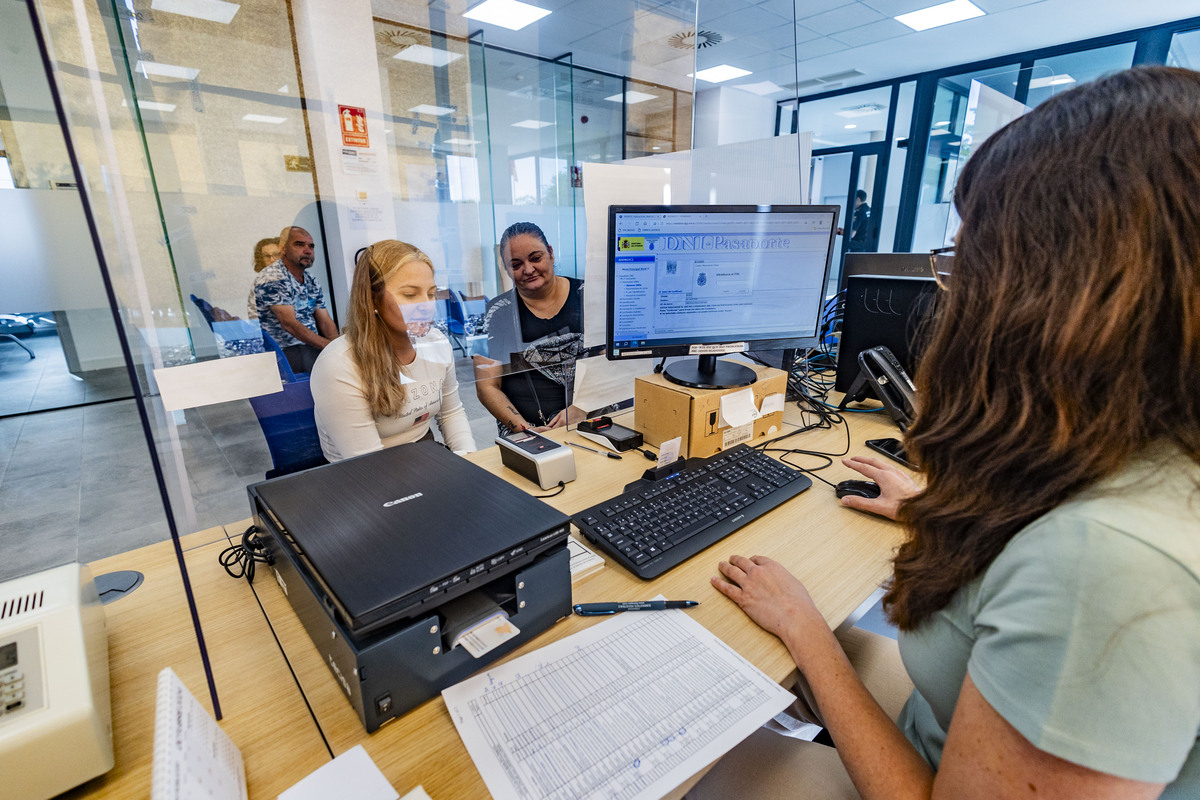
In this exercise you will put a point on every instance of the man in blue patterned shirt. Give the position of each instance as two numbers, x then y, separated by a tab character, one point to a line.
291	307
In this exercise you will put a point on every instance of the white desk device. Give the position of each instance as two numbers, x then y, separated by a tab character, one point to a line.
55	712
541	460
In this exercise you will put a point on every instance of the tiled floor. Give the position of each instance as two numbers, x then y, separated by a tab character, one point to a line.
33	384
77	483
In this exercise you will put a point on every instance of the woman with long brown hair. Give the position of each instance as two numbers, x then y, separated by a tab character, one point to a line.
1048	595
383	382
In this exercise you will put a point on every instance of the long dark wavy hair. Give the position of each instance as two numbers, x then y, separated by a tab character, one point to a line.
1069	337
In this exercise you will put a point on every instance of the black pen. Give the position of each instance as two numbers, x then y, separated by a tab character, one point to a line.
598	609
594	450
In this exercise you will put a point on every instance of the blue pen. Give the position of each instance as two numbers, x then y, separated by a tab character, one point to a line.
598	609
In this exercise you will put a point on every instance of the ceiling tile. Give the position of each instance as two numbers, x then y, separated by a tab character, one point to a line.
810	8
894	8
613	42
842	19
875	32
749	20
817	48
992	6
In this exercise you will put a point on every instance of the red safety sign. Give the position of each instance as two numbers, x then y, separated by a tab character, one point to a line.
354	126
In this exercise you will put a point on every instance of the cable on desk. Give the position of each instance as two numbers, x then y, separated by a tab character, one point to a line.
239	559
561	486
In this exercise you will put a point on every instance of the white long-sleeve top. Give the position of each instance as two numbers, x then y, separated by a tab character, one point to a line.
345	423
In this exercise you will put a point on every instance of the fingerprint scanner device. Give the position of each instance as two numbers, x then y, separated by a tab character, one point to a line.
541	460
603	431
55	711
373	552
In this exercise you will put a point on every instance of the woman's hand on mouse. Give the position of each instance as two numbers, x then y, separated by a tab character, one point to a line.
895	486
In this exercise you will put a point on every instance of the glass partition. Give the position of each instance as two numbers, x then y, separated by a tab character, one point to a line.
207	132
1057	74
1185	50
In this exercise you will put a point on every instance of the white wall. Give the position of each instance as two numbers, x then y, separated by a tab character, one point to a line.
728	115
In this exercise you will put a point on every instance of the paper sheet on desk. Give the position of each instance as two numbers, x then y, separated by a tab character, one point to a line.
352	775
627	709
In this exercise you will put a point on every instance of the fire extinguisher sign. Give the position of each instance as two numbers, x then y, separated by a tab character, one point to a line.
353	122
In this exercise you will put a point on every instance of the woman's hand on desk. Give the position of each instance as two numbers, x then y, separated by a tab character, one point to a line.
770	595
895	486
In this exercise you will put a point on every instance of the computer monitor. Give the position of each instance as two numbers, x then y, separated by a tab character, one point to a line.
706	281
889	296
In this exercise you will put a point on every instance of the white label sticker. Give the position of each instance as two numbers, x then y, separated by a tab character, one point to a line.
716	349
732	436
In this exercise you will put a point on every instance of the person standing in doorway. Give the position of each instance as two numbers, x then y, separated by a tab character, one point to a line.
860	224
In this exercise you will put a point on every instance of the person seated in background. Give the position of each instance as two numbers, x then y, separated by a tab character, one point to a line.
382	383
1048	593
266	252
291	306
535	334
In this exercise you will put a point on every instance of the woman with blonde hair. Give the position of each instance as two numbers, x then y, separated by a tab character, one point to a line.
391	373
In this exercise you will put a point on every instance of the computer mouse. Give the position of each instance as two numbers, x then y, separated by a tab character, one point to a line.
866	489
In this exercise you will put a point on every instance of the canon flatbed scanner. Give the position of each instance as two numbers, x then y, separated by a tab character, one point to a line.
372	551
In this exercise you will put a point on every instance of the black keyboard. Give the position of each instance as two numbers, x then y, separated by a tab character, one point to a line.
655	525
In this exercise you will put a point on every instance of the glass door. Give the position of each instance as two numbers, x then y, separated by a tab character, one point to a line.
850	178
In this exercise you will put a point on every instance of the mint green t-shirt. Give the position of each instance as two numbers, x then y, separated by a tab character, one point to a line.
1084	633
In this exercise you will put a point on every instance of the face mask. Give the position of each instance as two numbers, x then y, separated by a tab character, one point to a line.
418	316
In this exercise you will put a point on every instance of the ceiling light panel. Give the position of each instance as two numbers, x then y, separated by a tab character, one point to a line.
436	111
423	54
264	118
461	142
631	97
719	74
1050	80
150	105
943	14
211	10
532	124
158	70
762	88
511	14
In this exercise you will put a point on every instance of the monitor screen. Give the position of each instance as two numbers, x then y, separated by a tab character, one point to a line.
712	280
889	297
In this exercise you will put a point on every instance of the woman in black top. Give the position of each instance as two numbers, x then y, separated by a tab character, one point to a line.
535	333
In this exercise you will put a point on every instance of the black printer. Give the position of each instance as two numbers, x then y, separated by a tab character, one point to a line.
383	556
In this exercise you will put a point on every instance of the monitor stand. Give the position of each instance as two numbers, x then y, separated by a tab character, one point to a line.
706	372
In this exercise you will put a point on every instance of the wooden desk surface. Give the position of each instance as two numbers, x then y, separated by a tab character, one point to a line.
264	712
840	554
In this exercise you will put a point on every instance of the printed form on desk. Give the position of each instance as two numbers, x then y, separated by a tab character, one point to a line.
627	709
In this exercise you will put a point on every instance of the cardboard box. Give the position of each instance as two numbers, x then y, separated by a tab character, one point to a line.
664	410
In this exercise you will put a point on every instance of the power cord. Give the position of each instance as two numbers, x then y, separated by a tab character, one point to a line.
239	559
561	486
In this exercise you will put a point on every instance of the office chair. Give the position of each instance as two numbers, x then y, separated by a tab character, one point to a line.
467	331
235	336
285	369
17	342
287	422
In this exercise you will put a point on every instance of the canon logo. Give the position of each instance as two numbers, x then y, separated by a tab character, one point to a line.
400	500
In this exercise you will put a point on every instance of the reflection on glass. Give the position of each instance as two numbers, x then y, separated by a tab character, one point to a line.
1057	74
1185	50
847	119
